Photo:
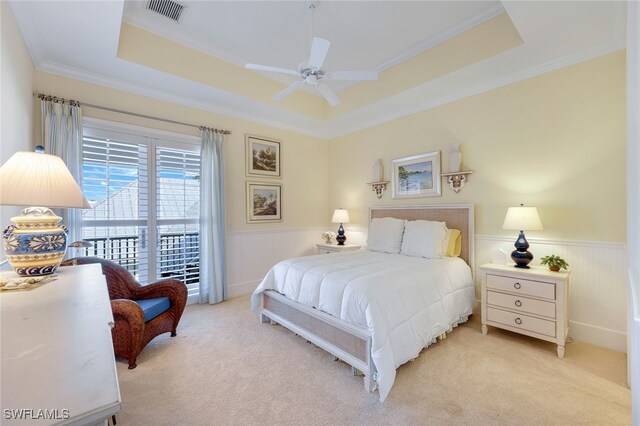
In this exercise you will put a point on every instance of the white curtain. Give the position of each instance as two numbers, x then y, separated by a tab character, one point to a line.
62	136
213	274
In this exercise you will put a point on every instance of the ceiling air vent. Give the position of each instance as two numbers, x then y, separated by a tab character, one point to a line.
171	9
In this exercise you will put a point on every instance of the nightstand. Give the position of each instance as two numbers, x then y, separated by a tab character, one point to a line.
334	248
526	301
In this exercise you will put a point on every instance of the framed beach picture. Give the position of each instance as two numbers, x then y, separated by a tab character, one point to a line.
264	202
416	176
263	156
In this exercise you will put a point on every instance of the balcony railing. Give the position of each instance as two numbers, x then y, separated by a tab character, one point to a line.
178	254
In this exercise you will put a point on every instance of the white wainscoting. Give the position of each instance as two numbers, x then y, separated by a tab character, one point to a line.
251	254
598	293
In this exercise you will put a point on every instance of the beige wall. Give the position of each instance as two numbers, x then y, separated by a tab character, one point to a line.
556	141
304	159
16	86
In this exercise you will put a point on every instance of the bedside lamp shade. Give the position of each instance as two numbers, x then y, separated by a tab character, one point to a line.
36	243
340	216
522	219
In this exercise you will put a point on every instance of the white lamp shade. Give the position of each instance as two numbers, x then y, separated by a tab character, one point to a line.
39	179
522	219
340	216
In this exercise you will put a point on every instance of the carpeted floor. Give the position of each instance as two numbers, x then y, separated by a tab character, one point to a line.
225	367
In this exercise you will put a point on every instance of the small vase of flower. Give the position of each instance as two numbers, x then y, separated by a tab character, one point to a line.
328	236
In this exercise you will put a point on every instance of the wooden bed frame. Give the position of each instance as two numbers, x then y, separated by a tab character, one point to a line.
346	341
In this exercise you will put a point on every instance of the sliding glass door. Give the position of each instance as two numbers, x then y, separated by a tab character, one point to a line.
145	192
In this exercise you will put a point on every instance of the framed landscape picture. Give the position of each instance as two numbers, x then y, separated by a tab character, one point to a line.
263	156
264	202
416	176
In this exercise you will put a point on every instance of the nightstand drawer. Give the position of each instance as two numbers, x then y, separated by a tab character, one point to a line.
522	304
520	286
521	321
325	251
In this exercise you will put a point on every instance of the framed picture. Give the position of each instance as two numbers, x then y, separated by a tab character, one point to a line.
416	176
263	156
264	202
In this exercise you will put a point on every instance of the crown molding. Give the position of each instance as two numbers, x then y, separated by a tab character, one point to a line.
431	42
373	115
392	108
389	109
242	109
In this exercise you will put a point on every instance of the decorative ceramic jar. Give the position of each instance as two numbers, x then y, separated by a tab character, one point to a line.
36	244
376	171
455	158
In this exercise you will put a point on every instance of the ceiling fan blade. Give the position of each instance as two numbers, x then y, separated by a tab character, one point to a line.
319	50
328	94
352	75
286	92
271	69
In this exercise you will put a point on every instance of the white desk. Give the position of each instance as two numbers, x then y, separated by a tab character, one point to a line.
56	351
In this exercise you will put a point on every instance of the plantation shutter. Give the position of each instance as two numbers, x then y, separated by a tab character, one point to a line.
116	183
177	217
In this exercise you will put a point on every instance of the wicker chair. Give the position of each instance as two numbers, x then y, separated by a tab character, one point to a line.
131	333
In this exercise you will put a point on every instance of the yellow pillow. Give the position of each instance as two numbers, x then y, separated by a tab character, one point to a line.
454	243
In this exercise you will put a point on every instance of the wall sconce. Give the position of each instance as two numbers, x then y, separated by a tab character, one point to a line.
378	185
456	178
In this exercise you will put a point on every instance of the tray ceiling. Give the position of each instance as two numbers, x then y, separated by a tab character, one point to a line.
428	53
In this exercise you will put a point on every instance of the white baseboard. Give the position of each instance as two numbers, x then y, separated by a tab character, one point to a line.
599	336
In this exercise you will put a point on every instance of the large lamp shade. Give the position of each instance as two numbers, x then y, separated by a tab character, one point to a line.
36	243
39	179
522	219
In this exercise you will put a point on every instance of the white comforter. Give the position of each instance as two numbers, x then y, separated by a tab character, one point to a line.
405	302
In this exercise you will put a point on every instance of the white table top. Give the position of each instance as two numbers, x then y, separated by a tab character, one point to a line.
56	350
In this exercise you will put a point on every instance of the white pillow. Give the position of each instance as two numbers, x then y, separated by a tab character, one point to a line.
385	235
424	238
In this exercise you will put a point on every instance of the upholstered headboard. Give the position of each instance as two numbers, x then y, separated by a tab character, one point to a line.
458	216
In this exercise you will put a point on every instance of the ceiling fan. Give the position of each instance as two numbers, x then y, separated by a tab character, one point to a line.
311	73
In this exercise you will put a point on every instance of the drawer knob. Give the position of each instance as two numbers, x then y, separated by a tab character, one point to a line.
518	303
518	321
517	286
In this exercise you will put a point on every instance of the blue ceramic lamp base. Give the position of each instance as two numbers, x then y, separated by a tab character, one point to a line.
36	243
341	238
521	256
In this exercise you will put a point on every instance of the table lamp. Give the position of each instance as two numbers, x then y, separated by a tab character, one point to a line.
35	244
522	219
340	216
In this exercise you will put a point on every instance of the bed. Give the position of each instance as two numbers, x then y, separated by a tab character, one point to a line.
373	310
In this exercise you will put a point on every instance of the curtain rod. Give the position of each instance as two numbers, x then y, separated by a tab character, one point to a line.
119	111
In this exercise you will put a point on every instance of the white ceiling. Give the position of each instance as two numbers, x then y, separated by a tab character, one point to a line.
80	39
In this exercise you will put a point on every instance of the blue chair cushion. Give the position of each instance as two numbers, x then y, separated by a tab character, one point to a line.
153	307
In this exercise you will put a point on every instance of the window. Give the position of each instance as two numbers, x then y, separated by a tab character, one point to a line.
145	193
